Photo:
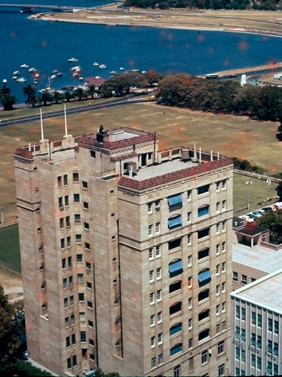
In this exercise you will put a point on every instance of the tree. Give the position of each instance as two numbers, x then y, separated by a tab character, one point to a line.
29	91
8	342
279	190
7	100
272	221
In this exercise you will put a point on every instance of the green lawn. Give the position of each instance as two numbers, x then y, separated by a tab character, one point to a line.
10	248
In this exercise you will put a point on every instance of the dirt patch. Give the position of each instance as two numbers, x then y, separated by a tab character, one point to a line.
12	284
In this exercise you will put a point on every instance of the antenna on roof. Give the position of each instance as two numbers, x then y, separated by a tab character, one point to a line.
66	125
200	155
211	155
218	155
41	125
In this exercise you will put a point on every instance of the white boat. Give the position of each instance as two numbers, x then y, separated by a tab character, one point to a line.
96	64
121	68
32	70
24	66
53	77
102	66
71	60
16	73
113	73
15	77
59	74
21	79
76	68
81	78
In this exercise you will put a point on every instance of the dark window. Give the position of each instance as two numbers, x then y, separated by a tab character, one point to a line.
84	184
204	277
203	253
203	314
76	198
81	297
174	222
175	286
203	233
174	243
83	336
174	202
85	205
203	211
175	308
75	177
93	154
203	294
175	349
203	189
204	334
65	180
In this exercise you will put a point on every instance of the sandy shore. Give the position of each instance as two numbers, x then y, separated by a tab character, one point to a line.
258	22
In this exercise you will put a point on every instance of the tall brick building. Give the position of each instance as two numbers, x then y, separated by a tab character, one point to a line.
126	255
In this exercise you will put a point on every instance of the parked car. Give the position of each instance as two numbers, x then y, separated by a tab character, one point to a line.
257	214
247	218
267	209
25	355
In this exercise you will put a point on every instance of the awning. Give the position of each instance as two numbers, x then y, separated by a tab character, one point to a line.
204	277
175	268
175	199
175	221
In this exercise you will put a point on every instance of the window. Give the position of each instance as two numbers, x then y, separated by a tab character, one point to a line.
89	304
68	241
275	349
243	314
85	205
76	198
190	323
79	258
174	222
152	320
174	202
175	349
217	269
174	243
65	179
62	243
159	295
78	238
203	211
150	230
276	327
80	278
203	253
158	227
223	226
67	221
151	276
84	184
153	362
204	277
93	154
69	363
189	260
150	206
66	200
203	233
189	195
174	308
72	319
59	181
175	268
204	334
151	254
203	294
204	356
152	298
67	341
175	329
217	309
158	273
67	321
75	177
73	340
190	342
217	250
189	239
223	266
81	297
220	347
235	276
217	208
223	246
64	263
221	370
223	205
77	218
71	300
69	261
269	324
203	189
65	284
159	317
61	221
153	342
160	358
81	316
66	302
89	285
190	282
203	314
189	217
158	251
223	287
157	205
190	302
244	279
83	336
269	346
160	338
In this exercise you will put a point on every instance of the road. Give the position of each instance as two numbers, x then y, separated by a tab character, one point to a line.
116	102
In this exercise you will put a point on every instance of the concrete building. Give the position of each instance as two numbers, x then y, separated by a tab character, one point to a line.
257	327
126	255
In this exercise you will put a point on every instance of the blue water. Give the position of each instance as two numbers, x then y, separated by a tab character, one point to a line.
48	45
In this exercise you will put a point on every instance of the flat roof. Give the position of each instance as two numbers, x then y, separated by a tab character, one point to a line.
258	257
265	292
121	135
164	167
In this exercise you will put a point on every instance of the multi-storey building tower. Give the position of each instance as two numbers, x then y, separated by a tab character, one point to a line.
126	255
257	327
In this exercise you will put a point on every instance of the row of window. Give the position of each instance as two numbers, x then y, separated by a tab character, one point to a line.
62	180
63	201
256	320
66	242
65	222
244	278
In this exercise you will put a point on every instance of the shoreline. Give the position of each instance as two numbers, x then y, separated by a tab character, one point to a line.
267	23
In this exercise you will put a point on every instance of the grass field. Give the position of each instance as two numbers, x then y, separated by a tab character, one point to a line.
10	249
232	136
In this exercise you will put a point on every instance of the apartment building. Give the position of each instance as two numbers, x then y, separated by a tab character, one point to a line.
257	327
126	255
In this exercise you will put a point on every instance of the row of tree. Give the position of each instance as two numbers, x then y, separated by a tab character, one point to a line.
204	4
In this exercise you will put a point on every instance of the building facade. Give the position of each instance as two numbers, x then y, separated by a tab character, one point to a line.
257	327
126	255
